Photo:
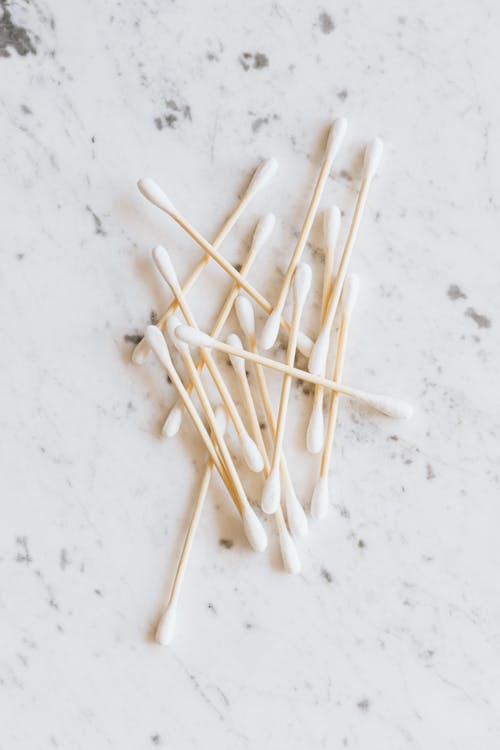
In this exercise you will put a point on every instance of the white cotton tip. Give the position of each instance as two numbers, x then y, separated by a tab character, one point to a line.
263	231
163	263
301	284
335	137
173	422
320	499
173	323
316	429
141	352
251	453
297	519
289	554
237	362
193	336
271	493
155	195
269	333
157	342
350	294
373	157
389	406
165	629
254	530
304	344
221	418
319	353
245	315
331	225
264	172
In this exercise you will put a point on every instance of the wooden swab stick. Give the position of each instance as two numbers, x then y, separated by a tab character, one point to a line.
262	231
272	324
373	156
331	227
248	447
297	519
166	625
183	348
264	172
153	193
272	487
253	528
319	502
289	554
384	404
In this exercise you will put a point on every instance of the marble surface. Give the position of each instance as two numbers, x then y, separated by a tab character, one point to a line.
390	637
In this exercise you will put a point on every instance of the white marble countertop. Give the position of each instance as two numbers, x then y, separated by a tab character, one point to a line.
390	637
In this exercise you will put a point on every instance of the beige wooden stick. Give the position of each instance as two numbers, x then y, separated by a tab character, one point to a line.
166	625
320	497
264	172
384	404
248	447
272	487
155	195
261	233
331	226
272	324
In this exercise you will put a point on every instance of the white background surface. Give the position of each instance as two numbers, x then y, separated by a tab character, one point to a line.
390	637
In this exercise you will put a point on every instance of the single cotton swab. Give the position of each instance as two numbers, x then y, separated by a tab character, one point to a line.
272	324
373	156
384	404
152	192
253	528
331	226
272	488
319	502
296	517
260	235
166	626
264	172
289	554
248	447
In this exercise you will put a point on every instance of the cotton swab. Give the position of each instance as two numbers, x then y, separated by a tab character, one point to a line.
320	497
373	156
166	626
272	324
248	447
331	227
296	517
264	172
261	234
272	487
289	553
254	530
183	348
152	192
385	404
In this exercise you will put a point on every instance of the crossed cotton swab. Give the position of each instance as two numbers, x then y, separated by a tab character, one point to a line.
166	625
319	501
248	448
153	193
331	225
254	530
289	554
319	353
297	519
272	324
261	233
387	405
264	172
272	487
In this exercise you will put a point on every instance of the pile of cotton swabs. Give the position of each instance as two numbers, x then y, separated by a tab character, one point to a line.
196	349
